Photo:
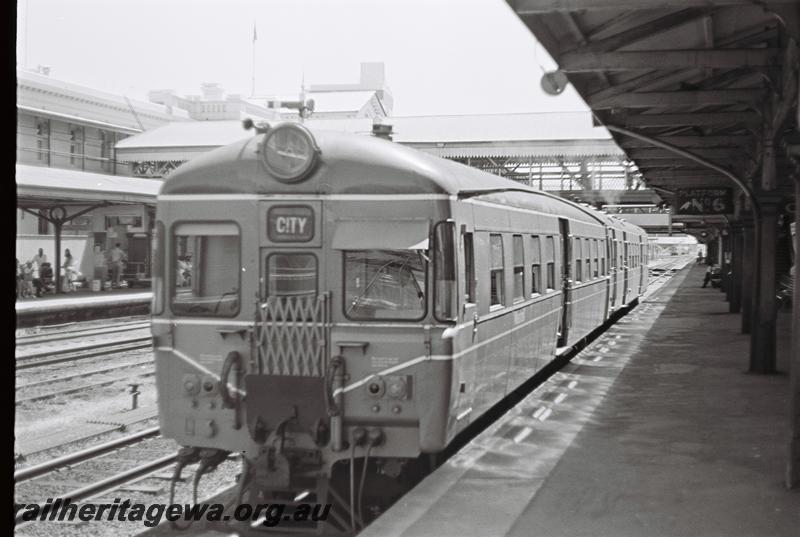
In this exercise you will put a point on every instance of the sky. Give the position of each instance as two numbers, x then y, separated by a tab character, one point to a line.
441	56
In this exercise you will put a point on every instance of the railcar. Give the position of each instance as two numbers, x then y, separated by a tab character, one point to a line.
326	302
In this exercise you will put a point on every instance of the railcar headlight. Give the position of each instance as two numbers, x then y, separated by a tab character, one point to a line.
397	387
289	152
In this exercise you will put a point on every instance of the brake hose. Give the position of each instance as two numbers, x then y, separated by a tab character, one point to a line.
228	400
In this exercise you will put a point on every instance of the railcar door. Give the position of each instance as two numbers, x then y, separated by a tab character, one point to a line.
625	268
611	255
566	281
292	323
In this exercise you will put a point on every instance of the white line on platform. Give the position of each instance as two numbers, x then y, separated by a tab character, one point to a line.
545	414
572	384
522	435
560	397
539	412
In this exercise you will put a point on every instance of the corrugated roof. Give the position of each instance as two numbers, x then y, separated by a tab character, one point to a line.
187	134
497	127
489	135
183	140
58	184
340	101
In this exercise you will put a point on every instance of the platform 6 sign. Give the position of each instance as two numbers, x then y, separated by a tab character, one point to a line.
290	223
704	201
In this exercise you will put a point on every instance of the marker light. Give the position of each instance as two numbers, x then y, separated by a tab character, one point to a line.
289	152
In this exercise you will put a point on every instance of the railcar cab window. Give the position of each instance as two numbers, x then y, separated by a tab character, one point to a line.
496	269
469	269
206	269
291	275
385	284
445	290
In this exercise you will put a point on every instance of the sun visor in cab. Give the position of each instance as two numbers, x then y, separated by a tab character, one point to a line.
381	235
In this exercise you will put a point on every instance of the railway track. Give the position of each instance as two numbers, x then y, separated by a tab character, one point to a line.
38	351
81	388
59	334
91	461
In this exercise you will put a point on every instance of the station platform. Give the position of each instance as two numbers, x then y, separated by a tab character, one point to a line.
81	305
654	429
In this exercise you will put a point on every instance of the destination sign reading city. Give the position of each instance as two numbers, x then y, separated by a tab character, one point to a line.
290	223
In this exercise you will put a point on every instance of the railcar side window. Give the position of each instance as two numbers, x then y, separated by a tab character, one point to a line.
157	305
536	265
445	292
550	258
469	269
587	266
206	270
603	258
519	268
291	274
577	255
384	284
496	269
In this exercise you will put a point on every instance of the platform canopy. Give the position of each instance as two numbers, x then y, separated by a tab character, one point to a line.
39	186
715	78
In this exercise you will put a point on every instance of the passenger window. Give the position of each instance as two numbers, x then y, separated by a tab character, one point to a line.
469	269
550	258
577	255
519	268
536	266
587	252
496	268
596	265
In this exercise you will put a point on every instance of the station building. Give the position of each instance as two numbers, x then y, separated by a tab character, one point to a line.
66	138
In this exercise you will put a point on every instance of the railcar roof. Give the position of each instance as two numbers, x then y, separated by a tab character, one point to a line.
358	164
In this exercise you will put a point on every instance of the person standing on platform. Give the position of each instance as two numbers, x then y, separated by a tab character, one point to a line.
19	280
39	258
100	266
69	272
707	277
117	259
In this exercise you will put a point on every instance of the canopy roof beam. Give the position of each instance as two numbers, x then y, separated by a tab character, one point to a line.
540	7
579	61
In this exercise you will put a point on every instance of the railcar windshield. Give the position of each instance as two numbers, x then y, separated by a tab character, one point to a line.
206	270
385	284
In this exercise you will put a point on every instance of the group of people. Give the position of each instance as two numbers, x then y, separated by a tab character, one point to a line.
31	275
34	276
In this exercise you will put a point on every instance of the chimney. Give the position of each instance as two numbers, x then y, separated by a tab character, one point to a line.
211	91
382	130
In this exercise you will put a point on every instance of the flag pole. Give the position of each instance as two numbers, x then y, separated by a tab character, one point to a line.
253	77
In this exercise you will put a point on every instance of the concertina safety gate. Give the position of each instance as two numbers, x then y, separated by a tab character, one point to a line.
294	334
